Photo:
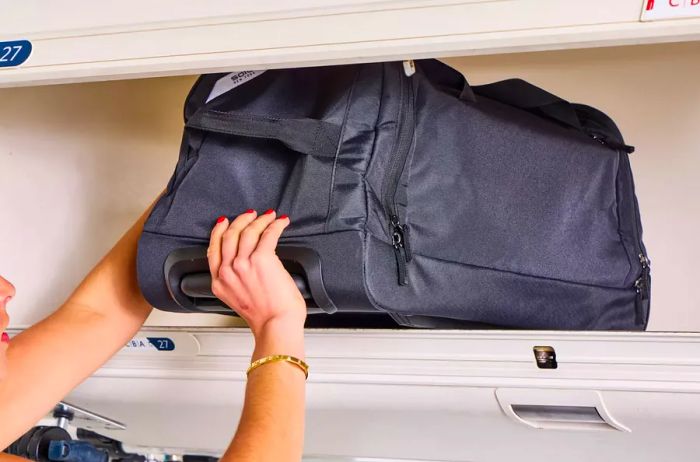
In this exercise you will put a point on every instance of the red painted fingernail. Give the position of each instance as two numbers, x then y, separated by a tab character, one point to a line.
250	211
283	217
5	337
267	212
220	219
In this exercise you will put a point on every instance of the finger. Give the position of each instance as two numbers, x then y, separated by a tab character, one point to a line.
214	250
270	237
229	246
224	292
251	235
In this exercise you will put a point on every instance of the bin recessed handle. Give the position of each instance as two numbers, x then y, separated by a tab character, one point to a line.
551	409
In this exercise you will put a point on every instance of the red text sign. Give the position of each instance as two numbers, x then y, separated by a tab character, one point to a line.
669	9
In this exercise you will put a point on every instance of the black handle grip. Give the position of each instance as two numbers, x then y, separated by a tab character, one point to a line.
198	285
189	282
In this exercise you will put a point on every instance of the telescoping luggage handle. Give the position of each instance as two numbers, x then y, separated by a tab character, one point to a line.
188	279
524	95
312	137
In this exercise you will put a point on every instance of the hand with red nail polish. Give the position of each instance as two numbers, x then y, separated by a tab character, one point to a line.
248	276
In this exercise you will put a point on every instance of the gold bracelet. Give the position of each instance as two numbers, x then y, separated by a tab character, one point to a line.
276	358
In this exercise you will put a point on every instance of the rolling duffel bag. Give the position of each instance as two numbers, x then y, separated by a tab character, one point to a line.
410	193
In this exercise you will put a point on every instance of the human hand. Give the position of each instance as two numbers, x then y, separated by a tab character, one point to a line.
248	276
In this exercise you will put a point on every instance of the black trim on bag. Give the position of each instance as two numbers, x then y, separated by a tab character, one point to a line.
586	119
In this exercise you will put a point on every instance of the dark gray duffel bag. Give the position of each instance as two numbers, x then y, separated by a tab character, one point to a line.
410	193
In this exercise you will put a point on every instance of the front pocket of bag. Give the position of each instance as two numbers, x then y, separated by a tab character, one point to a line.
498	188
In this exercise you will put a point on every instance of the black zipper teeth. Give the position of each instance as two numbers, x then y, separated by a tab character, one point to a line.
402	147
399	231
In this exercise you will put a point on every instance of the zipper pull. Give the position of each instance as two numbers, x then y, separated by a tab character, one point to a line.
642	284
401	251
409	67
612	144
406	243
644	261
400	236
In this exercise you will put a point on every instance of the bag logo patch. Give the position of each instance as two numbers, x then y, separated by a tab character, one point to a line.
231	81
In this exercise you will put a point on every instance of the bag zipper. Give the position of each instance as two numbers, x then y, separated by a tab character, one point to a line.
641	284
602	139
402	146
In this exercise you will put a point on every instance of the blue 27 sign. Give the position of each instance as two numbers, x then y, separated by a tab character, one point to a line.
14	53
162	343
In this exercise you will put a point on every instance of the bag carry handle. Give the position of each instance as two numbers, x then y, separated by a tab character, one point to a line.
307	136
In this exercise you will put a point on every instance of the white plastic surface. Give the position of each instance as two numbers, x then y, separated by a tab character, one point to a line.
130	39
422	395
655	10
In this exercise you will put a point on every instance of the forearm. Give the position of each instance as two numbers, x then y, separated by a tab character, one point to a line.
272	422
49	359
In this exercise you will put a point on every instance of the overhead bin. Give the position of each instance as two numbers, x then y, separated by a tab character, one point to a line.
129	39
420	395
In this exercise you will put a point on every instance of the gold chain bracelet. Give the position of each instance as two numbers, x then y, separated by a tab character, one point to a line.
277	358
